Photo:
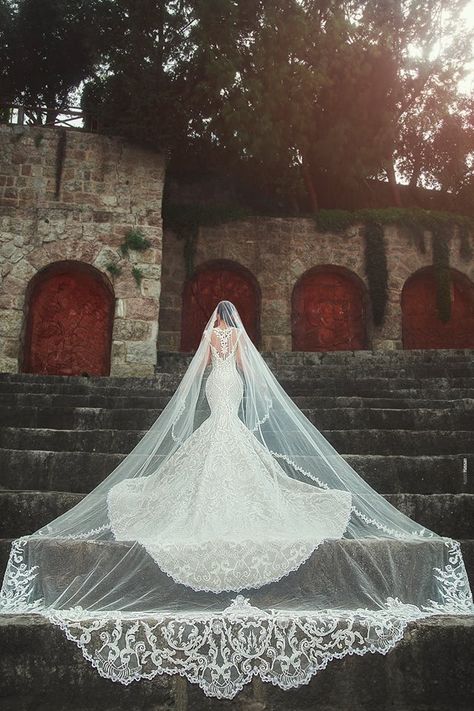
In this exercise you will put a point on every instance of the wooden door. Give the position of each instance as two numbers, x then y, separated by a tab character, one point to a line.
69	323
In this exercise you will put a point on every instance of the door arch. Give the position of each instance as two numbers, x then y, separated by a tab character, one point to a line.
69	319
421	327
329	310
213	282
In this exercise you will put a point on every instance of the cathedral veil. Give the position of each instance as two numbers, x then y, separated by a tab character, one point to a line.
134	618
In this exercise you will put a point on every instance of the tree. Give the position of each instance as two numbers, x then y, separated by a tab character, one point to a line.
164	66
53	46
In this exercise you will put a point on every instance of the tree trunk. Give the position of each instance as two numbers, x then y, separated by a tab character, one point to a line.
394	187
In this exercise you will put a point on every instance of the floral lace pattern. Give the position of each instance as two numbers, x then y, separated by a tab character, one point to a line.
223	651
221	514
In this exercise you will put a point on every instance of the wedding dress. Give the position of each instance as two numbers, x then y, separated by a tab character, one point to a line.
233	541
221	514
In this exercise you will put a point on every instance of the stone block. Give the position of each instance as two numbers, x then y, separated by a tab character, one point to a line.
119	351
8	365
141	308
106	256
132	330
143	352
131	369
151	288
10	324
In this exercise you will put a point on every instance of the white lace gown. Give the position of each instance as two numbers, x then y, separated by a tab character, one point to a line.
221	514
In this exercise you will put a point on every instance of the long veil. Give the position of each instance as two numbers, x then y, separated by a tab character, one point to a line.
354	594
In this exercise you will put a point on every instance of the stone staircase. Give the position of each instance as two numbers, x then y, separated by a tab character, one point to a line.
403	420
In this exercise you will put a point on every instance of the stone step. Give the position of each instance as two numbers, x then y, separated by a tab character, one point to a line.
430	358
292	382
82	551
13	400
82	471
356	441
460	416
362	357
23	512
410	570
429	670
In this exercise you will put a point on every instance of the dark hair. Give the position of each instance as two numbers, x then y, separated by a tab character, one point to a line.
224	312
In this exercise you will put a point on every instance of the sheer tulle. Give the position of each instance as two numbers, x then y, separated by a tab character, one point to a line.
239	522
232	489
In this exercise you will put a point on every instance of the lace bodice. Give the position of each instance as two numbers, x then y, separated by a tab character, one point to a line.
223	345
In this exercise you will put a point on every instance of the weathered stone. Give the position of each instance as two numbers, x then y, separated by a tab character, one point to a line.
129	330
141	352
10	324
8	365
106	256
278	251
108	187
151	288
143	308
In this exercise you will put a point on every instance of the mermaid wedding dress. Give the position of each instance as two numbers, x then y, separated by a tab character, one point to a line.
233	541
221	514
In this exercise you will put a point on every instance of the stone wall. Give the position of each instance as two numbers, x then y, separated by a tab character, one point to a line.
278	251
107	187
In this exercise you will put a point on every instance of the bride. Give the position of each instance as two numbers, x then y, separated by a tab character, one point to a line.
221	513
232	490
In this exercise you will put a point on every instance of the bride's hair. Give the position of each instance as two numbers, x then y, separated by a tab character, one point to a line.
225	312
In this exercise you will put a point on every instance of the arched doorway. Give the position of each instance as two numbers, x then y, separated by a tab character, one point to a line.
329	310
213	282
421	327
69	319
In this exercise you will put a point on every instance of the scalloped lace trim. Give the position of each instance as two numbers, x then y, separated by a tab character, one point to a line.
221	652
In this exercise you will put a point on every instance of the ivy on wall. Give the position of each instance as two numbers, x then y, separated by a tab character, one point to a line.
416	221
185	221
134	240
375	257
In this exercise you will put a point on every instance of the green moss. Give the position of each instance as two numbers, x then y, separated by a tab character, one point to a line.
39	138
137	275
135	240
185	221
414	218
113	269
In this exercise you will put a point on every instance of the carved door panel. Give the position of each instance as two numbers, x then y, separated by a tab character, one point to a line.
328	312
69	323
421	326
202	293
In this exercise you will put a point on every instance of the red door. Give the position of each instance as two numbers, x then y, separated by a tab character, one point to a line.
328	312
216	282
421	327
69	321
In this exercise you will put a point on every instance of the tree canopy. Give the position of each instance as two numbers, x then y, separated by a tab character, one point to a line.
309	102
